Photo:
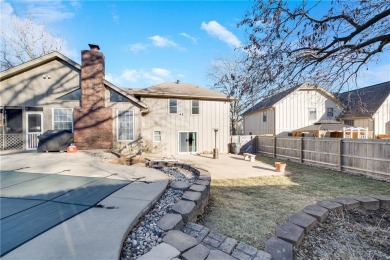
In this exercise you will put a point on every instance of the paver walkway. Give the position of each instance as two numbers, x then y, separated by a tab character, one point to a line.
65	185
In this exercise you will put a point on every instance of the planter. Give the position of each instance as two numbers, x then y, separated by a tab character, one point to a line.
280	166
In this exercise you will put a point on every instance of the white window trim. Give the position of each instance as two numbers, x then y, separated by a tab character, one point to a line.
264	116
198	106
169	106
154	141
178	142
117	124
328	112
52	116
315	109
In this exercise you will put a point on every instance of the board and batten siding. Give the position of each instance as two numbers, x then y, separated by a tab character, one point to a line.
254	125
292	112
382	118
363	122
212	114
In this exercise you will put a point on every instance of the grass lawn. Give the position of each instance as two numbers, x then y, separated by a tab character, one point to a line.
249	210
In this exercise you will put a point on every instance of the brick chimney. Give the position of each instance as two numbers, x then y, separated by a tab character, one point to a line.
92	78
92	121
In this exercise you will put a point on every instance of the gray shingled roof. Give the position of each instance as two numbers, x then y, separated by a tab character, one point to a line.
184	90
364	102
270	101
324	125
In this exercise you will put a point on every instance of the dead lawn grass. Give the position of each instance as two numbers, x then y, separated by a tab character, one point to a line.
249	210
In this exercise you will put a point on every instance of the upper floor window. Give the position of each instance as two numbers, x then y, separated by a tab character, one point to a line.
62	119
349	122
195	107
125	129
74	95
172	106
156	136
116	97
264	117
329	111
312	114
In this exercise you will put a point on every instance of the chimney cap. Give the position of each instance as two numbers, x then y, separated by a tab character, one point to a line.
93	46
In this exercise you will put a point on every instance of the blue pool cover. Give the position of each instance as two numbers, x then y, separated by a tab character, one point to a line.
32	203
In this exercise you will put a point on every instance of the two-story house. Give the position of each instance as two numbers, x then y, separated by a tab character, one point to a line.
53	92
291	109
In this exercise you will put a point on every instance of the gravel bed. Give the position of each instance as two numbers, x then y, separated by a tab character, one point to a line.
146	234
360	234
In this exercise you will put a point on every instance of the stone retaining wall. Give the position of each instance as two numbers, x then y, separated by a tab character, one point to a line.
192	241
194	200
292	233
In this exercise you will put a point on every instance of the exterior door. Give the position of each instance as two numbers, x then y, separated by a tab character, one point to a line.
34	129
187	142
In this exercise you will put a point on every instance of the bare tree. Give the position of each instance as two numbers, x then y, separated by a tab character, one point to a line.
230	77
327	44
23	40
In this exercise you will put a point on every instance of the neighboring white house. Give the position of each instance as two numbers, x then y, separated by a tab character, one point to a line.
291	109
368	107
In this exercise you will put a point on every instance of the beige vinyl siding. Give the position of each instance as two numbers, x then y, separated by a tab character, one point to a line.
253	123
212	114
31	89
364	122
292	112
382	118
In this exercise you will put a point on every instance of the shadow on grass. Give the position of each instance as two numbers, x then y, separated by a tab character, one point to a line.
250	209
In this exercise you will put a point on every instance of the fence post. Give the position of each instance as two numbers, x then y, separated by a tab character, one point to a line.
254	144
301	152
274	146
340	154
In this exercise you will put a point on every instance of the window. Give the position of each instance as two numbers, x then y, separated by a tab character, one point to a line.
173	106
156	136
74	95
264	117
312	114
329	111
349	122
63	119
125	128
116	97
195	107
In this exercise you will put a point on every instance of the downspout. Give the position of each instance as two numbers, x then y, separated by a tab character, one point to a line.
3	124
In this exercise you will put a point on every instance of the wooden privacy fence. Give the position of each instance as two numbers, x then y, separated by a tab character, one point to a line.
355	155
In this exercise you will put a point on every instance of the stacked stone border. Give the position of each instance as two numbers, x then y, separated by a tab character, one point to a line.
291	234
192	241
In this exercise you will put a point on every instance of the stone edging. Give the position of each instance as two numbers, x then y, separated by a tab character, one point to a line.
292	233
193	201
193	241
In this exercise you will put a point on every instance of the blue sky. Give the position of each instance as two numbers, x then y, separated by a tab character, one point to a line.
148	42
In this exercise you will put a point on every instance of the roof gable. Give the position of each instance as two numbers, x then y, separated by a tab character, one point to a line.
36	63
180	90
364	102
270	101
19	69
